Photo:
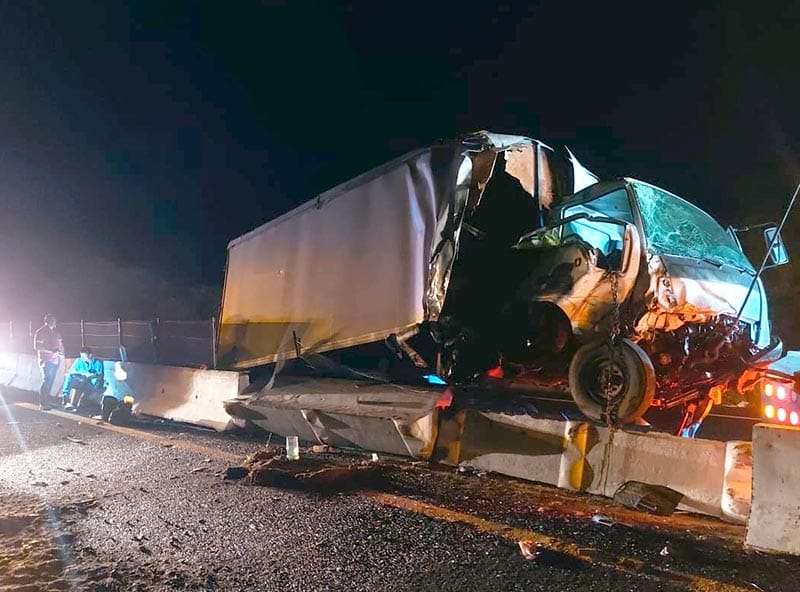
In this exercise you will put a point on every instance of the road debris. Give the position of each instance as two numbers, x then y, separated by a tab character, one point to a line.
664	552
466	469
320	448
529	549
235	473
75	440
39	484
604	520
308	474
653	499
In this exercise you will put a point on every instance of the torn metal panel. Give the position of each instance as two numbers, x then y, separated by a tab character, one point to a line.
521	164
482	170
545	178
684	291
581	176
448	232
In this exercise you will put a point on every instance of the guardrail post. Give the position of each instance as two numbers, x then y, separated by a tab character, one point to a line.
83	335
214	342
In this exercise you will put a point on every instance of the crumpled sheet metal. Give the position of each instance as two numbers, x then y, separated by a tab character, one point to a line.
677	300
590	301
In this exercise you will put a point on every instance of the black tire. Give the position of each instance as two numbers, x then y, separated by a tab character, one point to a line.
632	380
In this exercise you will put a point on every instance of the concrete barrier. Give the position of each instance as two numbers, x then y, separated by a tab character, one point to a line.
8	367
774	523
695	468
21	371
591	458
737	490
511	445
180	394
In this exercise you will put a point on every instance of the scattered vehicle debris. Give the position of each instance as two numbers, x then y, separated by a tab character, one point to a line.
467	469
603	520
665	551
631	299
529	549
75	440
235	473
653	499
307	474
549	557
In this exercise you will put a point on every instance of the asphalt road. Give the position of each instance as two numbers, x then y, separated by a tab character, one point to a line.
91	507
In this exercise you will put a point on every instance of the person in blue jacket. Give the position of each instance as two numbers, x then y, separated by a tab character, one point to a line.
85	377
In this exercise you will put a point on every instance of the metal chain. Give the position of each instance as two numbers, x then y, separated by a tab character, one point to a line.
612	403
668	288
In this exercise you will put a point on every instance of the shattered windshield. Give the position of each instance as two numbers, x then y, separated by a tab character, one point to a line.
673	226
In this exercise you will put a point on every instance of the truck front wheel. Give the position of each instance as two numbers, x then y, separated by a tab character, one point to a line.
619	378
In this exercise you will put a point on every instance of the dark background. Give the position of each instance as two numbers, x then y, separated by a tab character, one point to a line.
137	139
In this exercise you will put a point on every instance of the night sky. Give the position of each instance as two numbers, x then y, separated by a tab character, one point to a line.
136	140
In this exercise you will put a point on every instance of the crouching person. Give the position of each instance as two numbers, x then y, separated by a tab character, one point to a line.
85	382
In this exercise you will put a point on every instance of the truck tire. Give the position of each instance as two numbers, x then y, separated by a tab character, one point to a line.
632	380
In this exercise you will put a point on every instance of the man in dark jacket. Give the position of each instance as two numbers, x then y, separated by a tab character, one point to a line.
50	351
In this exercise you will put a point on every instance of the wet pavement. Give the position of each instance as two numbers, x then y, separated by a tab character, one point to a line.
93	507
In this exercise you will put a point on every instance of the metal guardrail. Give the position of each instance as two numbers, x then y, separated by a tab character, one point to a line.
172	343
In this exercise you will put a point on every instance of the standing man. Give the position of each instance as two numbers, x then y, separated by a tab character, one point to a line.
50	351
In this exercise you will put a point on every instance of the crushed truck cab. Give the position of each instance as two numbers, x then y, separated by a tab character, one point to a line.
496	260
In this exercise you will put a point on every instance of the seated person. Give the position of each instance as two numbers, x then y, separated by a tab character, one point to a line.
85	377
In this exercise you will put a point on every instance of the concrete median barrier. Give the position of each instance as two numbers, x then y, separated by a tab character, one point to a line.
587	457
187	395
8	367
737	490
190	395
775	513
695	468
20	371
517	446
